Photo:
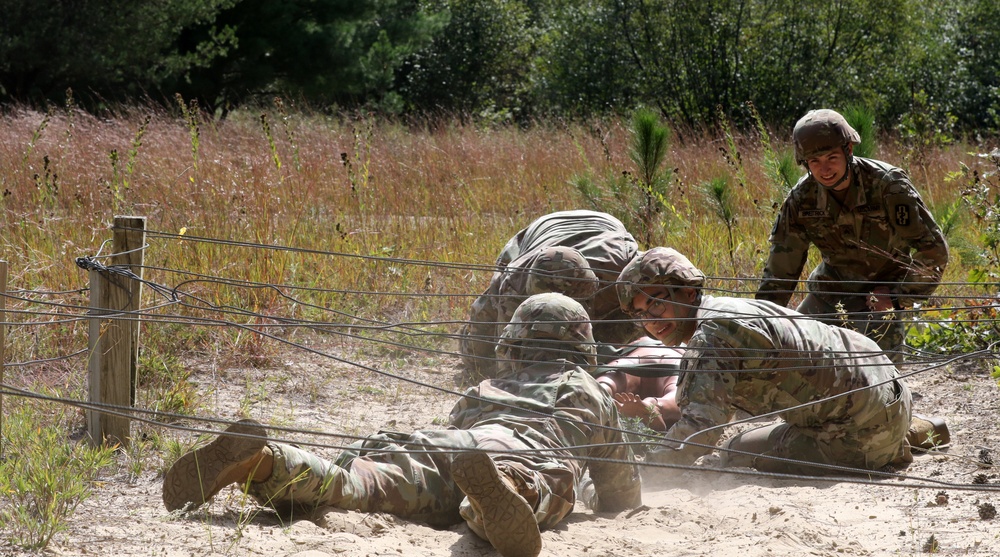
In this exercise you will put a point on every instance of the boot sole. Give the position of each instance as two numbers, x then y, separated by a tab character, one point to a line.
198	475
507	518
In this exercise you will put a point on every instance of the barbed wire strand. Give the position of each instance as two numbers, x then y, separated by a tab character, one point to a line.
851	475
171	294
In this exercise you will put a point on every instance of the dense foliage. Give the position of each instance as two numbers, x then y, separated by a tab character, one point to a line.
915	63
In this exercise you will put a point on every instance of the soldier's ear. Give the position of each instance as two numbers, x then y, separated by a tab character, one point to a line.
687	295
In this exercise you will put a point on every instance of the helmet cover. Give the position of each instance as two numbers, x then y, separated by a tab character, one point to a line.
550	317
656	266
821	131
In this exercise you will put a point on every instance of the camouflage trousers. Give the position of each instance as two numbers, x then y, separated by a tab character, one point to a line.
872	445
885	328
409	475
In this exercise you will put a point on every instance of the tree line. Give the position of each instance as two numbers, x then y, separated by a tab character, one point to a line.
930	66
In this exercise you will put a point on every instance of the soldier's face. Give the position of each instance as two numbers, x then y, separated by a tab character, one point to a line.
660	314
829	168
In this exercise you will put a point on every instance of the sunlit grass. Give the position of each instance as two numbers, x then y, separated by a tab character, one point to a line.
364	199
447	192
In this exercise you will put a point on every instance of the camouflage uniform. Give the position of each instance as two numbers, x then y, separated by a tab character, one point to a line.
882	233
759	357
531	423
578	253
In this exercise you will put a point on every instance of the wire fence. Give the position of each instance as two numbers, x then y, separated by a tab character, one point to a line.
180	298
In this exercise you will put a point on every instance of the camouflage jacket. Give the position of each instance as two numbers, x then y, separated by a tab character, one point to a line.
558	405
883	232
759	357
599	237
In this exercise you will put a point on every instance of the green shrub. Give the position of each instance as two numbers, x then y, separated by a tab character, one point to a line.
43	477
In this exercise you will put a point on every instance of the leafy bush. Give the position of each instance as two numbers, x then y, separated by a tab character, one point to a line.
43	477
972	326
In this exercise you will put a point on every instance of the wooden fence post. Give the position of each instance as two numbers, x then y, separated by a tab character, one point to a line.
3	339
114	332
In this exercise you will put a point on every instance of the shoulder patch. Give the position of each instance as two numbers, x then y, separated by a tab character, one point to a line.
901	213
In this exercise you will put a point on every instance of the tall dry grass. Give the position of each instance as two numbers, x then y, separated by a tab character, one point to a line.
433	204
386	225
450	193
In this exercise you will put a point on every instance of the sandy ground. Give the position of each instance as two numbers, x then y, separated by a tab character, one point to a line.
943	506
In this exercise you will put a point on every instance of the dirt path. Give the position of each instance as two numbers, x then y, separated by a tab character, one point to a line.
693	513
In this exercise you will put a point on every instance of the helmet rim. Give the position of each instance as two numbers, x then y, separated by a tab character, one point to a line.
821	131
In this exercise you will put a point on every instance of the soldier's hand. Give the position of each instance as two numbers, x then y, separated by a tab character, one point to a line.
629	404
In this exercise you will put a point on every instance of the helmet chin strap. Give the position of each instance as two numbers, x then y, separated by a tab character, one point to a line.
836	184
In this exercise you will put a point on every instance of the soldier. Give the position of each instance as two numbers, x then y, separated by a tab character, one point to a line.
881	249
837	393
508	464
642	379
577	253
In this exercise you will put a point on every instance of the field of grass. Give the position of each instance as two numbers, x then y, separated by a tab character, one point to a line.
274	225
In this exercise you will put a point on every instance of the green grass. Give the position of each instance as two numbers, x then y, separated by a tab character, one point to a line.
43	475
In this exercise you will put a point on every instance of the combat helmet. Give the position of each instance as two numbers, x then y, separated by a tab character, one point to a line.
821	131
656	266
561	269
549	322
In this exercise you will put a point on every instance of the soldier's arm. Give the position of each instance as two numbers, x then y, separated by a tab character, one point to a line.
789	250
617	484
915	225
666	404
704	398
478	337
651	394
655	412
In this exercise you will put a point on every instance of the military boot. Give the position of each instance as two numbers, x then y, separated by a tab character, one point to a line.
198	475
927	433
507	519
